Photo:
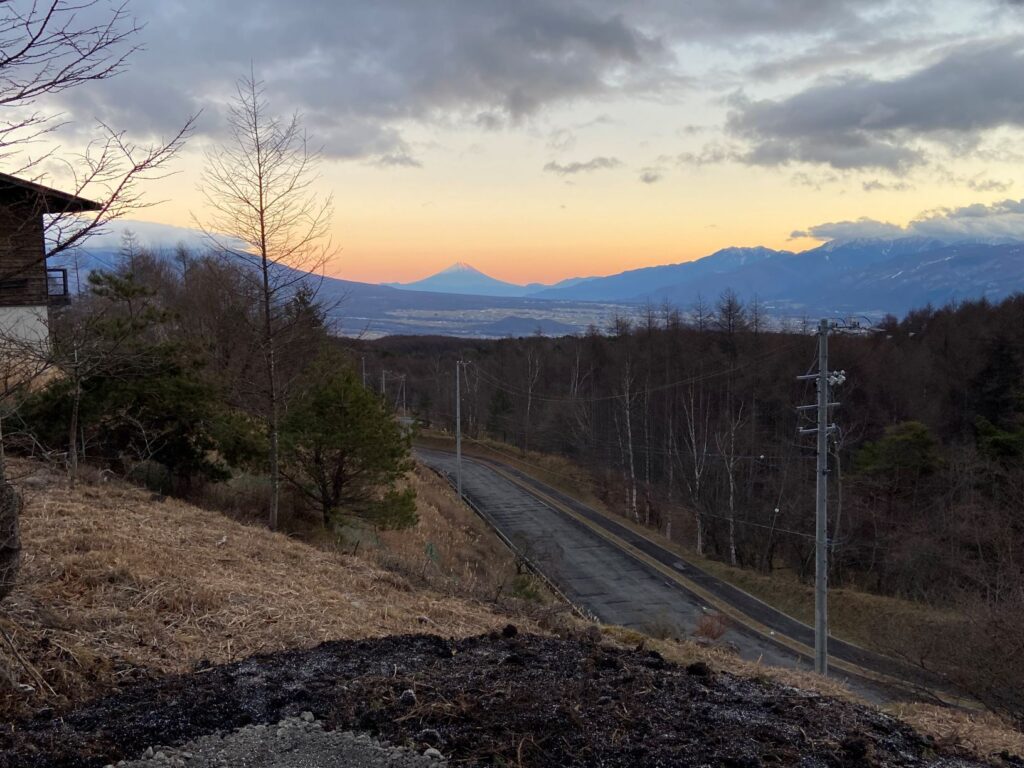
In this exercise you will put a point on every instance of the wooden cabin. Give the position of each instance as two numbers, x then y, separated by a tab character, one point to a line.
28	287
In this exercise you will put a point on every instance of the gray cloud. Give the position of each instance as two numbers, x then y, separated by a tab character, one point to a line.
737	19
575	167
710	154
398	160
1001	221
877	185
651	175
360	70
850	230
862	122
836	52
990	185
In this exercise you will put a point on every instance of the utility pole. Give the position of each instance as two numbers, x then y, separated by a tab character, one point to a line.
821	511
364	371
383	379
825	379
458	427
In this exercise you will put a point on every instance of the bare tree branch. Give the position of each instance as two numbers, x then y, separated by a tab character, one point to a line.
259	192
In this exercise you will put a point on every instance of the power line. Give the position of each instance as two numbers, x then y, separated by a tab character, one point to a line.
643	448
704	514
556	473
495	382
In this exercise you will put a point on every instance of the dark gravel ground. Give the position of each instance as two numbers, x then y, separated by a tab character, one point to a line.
501	699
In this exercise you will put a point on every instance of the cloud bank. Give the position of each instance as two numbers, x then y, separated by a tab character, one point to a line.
999	222
361	70
867	123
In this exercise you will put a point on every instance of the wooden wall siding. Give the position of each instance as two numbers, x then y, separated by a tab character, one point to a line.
22	257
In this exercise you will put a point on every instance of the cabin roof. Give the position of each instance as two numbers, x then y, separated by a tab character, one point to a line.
15	190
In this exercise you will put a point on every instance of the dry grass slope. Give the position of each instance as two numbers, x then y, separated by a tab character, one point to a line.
452	550
118	585
114	581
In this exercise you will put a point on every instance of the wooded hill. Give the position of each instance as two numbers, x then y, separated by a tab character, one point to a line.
691	427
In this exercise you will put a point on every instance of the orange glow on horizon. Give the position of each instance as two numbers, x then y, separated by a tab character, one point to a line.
510	220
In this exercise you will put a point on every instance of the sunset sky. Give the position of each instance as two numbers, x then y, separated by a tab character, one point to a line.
543	139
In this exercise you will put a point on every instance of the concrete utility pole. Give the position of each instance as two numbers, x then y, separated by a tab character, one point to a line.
825	379
383	379
364	371
458	427
821	511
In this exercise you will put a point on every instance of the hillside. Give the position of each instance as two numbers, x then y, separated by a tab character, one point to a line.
117	585
863	276
165	609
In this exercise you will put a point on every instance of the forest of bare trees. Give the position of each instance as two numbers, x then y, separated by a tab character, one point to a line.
690	426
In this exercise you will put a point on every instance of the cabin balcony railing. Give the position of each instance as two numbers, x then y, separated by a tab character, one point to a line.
57	291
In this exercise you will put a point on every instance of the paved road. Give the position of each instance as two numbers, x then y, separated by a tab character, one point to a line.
624	578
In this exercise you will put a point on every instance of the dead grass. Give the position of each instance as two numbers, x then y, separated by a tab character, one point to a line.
711	626
452	550
721	658
113	581
116	584
982	733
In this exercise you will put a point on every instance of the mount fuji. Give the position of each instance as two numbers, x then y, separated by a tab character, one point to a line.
462	278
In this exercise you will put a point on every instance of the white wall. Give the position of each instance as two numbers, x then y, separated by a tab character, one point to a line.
25	327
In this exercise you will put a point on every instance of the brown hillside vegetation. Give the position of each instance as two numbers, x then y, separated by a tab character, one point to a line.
116	583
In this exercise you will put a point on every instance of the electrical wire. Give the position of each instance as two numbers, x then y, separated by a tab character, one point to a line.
498	384
738	521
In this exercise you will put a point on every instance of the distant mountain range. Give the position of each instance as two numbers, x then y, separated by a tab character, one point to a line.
865	276
855	277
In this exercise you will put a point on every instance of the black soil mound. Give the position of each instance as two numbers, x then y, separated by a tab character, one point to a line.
502	699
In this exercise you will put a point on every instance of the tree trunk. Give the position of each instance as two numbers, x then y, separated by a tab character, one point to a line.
732	516
76	400
10	538
627	412
272	416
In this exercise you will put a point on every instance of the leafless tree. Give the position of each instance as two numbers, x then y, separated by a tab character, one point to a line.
581	413
263	210
629	395
725	439
533	367
701	313
696	413
47	48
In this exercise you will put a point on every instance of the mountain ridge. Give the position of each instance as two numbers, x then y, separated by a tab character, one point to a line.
871	277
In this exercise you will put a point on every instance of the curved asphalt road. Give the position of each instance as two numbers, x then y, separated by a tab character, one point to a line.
621	577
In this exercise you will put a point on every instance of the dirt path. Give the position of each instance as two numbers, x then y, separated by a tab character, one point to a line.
502	699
